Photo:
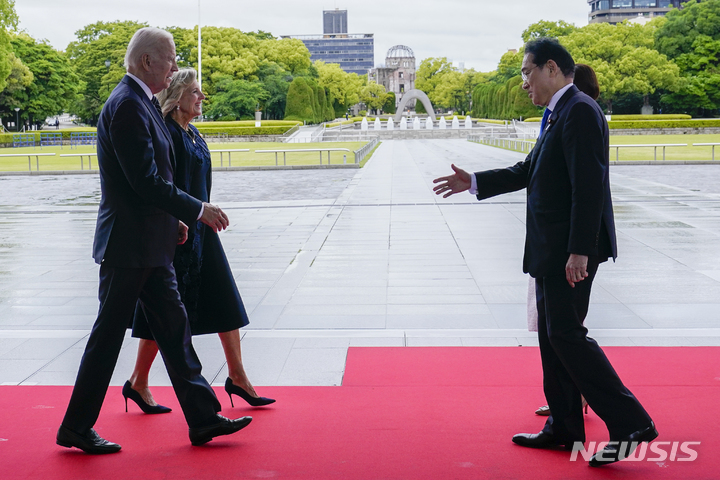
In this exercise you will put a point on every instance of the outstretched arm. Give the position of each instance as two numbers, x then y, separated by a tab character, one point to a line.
460	181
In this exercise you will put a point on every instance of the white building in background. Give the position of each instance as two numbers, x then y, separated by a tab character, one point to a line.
398	73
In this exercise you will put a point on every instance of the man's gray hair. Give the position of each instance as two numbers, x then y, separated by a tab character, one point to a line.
145	40
170	97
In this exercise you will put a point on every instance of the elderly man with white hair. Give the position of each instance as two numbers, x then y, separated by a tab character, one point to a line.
142	216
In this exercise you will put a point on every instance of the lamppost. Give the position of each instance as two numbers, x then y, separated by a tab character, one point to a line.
199	69
107	64
17	119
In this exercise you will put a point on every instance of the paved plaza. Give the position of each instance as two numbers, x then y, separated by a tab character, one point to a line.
327	259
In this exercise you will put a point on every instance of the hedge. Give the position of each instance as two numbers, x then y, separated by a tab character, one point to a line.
660	116
248	123
243	131
692	123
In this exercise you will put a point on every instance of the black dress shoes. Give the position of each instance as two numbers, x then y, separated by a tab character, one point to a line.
541	440
91	442
623	448
220	426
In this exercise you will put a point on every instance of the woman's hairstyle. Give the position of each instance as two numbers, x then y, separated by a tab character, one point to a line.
170	97
586	80
146	40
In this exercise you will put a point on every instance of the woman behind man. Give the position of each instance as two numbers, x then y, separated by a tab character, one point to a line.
205	281
586	81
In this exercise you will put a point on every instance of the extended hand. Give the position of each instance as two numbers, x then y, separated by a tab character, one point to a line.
214	218
452	184
576	269
182	233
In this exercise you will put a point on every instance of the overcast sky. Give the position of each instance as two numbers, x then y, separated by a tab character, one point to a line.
476	32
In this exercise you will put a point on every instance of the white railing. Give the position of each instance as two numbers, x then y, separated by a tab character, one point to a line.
81	155
29	157
655	146
713	145
321	150
526	130
364	150
508	143
229	152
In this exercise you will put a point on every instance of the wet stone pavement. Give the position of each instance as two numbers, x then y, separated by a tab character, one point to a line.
327	259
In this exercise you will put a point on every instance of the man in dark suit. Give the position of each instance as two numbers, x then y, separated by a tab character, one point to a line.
570	231
135	238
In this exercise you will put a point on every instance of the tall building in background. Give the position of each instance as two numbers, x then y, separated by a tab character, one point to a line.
615	11
334	22
354	52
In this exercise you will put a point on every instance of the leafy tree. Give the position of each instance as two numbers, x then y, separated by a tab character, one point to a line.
289	53
276	83
343	88
373	95
509	66
389	105
300	101
231	52
236	99
445	85
624	59
97	43
503	101
8	21
691	37
19	79
53	86
429	74
545	28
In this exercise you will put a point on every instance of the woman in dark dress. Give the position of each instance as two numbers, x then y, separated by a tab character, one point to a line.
205	281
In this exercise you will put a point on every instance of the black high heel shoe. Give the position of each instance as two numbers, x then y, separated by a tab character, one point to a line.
134	395
240	392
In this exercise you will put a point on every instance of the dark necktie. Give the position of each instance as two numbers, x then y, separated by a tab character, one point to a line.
546	115
157	105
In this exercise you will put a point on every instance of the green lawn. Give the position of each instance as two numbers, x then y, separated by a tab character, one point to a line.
19	162
684	153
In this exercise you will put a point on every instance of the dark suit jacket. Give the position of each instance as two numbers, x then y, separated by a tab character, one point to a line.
137	224
569	209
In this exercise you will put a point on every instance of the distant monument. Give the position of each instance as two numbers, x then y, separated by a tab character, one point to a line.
415	95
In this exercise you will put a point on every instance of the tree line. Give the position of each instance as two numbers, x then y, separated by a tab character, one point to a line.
242	72
671	63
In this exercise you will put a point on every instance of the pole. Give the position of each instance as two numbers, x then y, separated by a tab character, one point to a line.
199	49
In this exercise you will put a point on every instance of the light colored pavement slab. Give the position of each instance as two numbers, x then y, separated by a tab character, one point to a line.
328	259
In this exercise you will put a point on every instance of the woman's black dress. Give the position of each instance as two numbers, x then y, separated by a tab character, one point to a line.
205	281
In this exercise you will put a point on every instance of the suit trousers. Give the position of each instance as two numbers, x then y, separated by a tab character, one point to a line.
574	364
120	289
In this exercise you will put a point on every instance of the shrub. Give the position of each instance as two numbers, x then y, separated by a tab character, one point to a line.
300	101
244	131
692	123
389	105
247	123
663	116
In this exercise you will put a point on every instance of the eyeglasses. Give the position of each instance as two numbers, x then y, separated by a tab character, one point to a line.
524	75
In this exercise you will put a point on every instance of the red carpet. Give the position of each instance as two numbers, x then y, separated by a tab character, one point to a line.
402	413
